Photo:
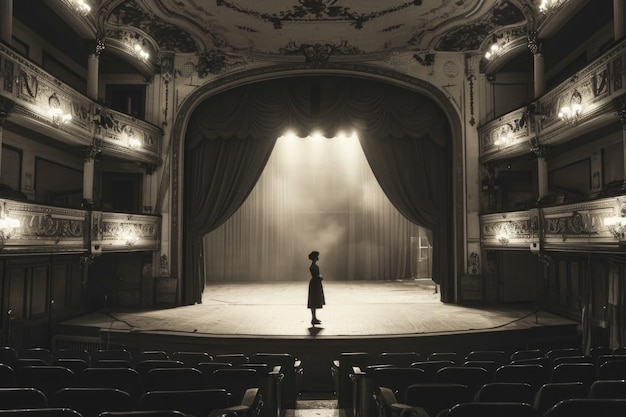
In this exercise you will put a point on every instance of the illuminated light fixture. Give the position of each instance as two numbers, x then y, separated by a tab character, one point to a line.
617	224
493	52
132	140
504	235
55	112
140	52
81	6
58	117
549	5
8	225
505	136
128	235
571	112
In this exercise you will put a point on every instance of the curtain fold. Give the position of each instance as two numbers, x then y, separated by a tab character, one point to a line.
230	137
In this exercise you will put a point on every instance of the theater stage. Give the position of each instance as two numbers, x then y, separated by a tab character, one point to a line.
373	316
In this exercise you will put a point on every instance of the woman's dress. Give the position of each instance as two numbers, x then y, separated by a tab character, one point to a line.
316	291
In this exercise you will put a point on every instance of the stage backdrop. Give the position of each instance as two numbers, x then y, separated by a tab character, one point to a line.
315	194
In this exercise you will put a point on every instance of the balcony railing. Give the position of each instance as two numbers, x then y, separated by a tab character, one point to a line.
588	95
594	226
27	228
49	105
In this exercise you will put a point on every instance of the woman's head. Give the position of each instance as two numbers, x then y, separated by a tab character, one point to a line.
314	256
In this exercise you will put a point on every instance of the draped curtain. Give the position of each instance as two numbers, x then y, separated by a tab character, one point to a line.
230	138
315	194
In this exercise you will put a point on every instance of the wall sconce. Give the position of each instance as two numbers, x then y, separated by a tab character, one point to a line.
571	112
8	225
55	112
131	139
494	49
503	236
505	136
549	5
80	6
128	235
140	52
617	224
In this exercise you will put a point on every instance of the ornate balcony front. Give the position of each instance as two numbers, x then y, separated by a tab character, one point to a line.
51	107
27	228
582	103
594	226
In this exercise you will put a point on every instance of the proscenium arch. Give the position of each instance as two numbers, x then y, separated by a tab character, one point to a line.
177	152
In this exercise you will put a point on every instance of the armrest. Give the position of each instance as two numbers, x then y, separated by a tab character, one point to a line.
250	406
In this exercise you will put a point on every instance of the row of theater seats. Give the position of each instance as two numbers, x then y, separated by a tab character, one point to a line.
368	385
195	380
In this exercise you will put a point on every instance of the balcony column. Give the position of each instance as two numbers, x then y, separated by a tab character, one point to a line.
539	73
90	153
6	21
6	106
542	169
619	20
93	62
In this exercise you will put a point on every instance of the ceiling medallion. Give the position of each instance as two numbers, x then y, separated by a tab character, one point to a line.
311	10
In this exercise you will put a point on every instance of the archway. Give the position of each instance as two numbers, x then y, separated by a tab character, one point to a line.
405	137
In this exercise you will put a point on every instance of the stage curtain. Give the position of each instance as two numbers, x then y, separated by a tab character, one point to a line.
257	114
314	194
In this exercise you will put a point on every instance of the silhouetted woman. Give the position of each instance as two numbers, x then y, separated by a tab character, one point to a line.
316	291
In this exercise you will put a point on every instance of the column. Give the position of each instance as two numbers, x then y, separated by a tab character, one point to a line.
539	73
93	62
542	169
6	24
90	153
147	188
6	106
619	8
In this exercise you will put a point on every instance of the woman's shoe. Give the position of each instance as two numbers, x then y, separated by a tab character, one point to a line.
316	321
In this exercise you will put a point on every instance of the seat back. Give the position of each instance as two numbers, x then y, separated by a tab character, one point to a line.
172	379
7	376
513	392
145	355
7	355
124	379
551	393
399	359
492	409
41	412
291	369
398	379
235	381
612	370
436	397
431	368
14	398
207	369
121	355
191	359
472	377
533	374
90	402
235	359
606	389
146	366
574	372
444	356
527	354
47	379
341	370
81	354
36	353
586	407
193	402
498	356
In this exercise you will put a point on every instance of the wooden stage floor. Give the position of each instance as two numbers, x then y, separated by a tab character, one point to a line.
353	309
363	316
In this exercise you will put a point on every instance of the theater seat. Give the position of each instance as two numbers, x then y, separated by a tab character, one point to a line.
587	407
491	409
341	369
